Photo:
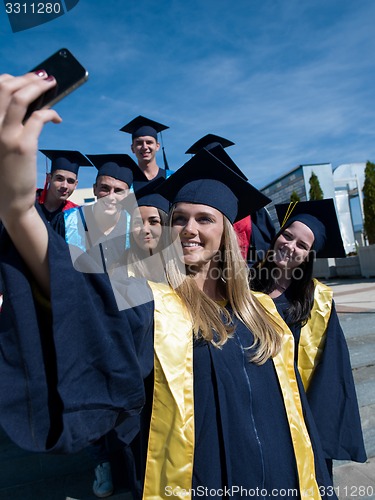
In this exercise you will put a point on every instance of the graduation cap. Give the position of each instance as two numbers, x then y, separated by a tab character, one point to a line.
320	216
206	180
209	141
142	126
66	160
119	166
216	144
148	197
223	156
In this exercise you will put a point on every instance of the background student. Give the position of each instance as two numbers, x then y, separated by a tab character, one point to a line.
310	230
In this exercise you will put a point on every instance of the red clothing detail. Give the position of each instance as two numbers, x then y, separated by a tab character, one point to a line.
69	204
40	197
243	231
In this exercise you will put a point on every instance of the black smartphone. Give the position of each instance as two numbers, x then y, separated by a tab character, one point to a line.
69	74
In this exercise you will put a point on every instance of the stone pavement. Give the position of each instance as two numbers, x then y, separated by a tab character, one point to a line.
28	476
354	296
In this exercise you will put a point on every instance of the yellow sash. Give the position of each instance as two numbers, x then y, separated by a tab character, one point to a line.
313	334
284	364
170	452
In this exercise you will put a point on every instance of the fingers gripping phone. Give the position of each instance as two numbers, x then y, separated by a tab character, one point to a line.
69	75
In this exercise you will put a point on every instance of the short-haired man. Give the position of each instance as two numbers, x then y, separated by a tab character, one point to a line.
100	228
145	144
60	183
97	234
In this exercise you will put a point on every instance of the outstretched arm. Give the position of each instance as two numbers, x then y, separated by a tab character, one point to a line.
18	151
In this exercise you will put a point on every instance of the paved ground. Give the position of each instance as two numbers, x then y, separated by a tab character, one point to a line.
355	303
26	476
354	296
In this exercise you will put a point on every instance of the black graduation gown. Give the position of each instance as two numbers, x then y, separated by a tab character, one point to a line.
140	180
262	233
70	388
52	218
242	434
59	393
331	393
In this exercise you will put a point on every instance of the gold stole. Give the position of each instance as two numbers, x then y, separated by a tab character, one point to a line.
284	364
170	453
313	334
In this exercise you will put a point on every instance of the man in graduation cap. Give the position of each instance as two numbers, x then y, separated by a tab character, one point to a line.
101	227
60	183
255	231
145	145
99	230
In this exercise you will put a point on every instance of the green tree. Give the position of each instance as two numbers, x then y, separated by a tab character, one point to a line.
369	202
315	192
294	197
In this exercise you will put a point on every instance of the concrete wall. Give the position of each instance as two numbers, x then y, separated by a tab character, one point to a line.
361	265
348	267
366	257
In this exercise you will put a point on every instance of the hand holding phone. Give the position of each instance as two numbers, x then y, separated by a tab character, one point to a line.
69	75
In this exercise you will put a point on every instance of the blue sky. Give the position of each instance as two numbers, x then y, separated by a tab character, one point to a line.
289	82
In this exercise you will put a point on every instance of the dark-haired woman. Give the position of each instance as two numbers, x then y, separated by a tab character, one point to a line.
310	230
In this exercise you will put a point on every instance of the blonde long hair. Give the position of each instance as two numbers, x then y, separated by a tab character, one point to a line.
208	316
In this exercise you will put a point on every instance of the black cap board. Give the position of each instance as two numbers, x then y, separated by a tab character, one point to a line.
216	144
119	166
142	126
148	197
223	156
206	180
209	141
66	160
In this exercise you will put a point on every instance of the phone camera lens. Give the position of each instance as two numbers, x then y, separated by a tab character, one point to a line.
63	53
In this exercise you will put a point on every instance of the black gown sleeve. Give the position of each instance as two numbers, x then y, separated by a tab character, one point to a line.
331	395
58	224
333	400
262	234
70	372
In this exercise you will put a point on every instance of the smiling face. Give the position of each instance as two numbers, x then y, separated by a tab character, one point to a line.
145	149
200	229
147	227
111	192
62	184
293	245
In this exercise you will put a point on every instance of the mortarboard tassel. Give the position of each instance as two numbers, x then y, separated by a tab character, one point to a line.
166	166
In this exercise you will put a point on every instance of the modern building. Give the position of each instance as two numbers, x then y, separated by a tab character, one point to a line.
82	196
297	180
349	180
344	185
